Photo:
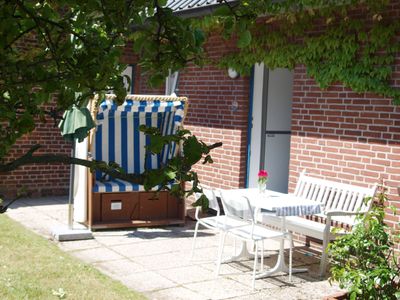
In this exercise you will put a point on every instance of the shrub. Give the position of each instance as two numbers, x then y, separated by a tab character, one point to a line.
364	262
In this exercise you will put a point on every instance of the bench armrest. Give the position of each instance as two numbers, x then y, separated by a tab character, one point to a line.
332	213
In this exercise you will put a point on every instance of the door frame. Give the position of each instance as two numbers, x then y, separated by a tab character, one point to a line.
258	123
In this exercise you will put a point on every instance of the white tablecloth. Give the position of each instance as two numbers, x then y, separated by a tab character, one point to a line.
282	205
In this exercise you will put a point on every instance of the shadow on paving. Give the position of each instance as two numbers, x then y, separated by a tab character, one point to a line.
149	233
33	202
303	257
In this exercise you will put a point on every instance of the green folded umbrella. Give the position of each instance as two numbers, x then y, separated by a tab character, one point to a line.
76	123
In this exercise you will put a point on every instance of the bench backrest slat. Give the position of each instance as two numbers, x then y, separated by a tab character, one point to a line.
349	204
344	196
325	195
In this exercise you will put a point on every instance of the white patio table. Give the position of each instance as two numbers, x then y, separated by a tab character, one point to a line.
281	205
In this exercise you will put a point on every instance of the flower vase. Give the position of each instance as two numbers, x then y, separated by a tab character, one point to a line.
262	186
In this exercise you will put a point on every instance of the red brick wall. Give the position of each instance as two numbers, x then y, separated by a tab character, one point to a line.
39	180
344	136
212	117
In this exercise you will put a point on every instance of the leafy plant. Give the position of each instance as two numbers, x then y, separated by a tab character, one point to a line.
330	38
56	50
364	262
61	53
178	170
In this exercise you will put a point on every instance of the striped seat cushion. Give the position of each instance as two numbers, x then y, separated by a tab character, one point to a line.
118	139
116	185
119	185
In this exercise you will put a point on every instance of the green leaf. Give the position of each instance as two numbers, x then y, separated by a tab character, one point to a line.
244	39
199	37
156	144
26	123
153	178
223	10
170	174
192	150
353	296
202	201
175	188
156	80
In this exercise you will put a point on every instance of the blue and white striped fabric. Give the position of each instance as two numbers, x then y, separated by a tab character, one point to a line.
116	185
118	139
289	205
298	210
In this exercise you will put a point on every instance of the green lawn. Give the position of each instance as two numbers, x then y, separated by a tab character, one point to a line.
32	267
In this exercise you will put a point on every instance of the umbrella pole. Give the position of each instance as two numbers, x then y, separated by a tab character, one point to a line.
71	189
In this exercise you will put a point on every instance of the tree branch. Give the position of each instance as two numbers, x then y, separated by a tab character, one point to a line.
18	36
114	171
213	146
28	159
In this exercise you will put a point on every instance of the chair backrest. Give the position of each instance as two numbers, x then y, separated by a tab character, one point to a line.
118	139
236	206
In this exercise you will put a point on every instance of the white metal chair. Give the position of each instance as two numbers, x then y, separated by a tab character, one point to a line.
219	223
240	208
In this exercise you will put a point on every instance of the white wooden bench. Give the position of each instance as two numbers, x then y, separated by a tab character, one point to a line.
341	203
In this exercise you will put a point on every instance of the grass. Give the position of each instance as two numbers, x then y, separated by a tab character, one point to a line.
32	267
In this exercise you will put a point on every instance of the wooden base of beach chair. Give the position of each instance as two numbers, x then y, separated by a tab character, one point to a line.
135	209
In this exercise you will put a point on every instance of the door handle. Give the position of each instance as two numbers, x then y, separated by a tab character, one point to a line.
271	133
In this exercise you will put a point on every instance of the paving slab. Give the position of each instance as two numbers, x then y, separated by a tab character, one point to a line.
120	268
219	288
97	255
187	274
114	237
147	248
147	281
79	245
178	293
164	261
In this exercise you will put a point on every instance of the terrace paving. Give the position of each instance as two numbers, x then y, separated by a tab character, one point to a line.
156	261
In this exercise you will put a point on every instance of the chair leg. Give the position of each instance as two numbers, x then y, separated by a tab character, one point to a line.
262	256
290	257
324	258
221	241
220	252
255	267
292	242
194	239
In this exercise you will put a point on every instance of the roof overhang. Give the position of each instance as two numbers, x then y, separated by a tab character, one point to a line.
196	8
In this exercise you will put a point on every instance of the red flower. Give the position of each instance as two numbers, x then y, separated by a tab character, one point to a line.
263	173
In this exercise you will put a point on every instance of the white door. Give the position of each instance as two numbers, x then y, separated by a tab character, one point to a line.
270	136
